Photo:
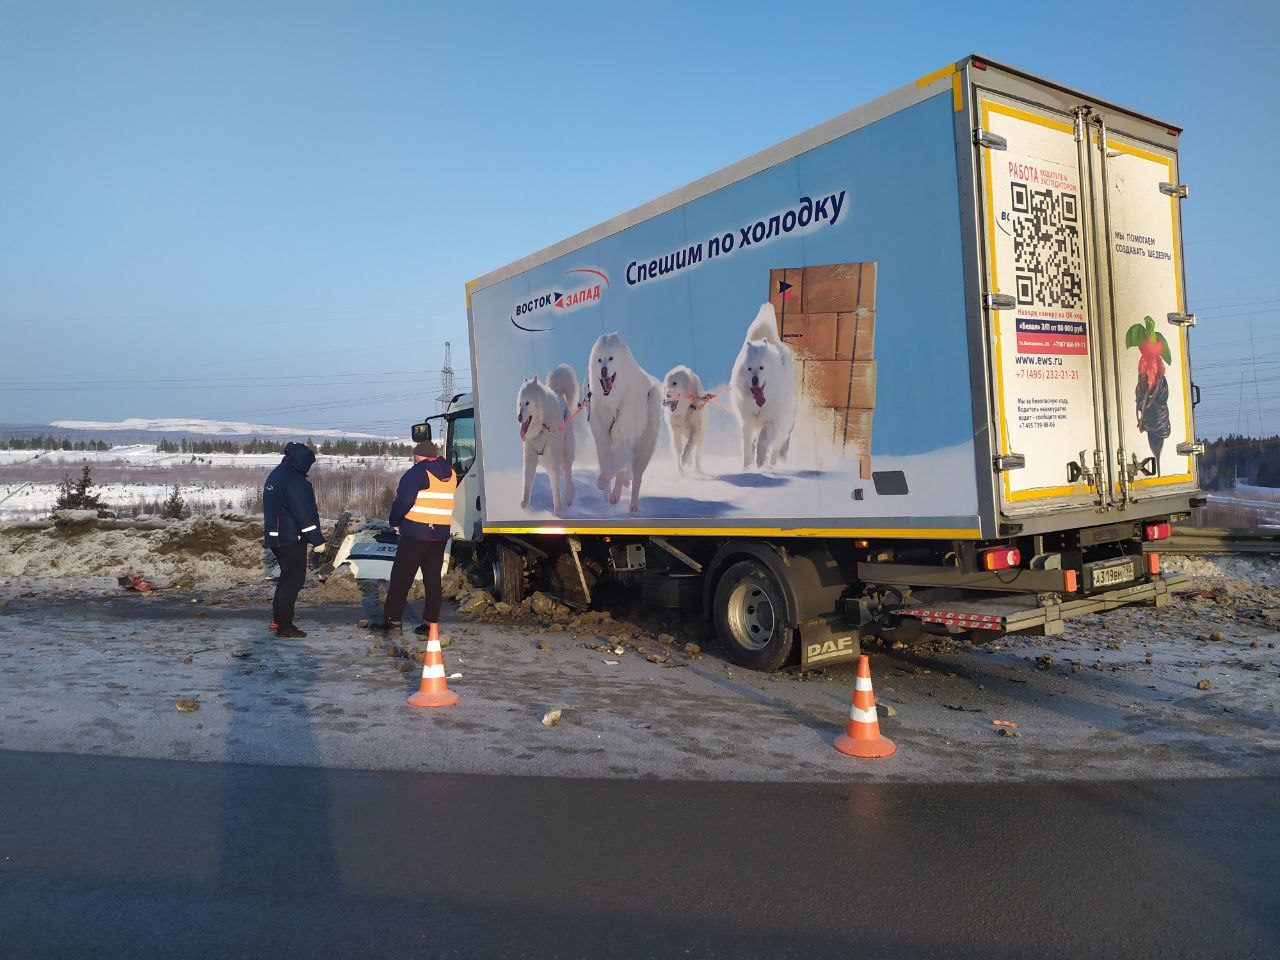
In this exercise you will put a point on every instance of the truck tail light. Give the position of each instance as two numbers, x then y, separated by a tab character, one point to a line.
1153	563
1001	559
1070	581
1156	531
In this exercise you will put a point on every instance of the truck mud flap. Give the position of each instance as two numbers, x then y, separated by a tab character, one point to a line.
827	641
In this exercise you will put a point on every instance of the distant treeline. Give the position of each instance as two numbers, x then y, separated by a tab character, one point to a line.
340	448
1244	459
54	443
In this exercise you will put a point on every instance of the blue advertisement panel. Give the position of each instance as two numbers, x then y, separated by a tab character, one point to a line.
788	350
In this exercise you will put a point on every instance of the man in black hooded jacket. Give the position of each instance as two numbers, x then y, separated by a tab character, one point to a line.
290	521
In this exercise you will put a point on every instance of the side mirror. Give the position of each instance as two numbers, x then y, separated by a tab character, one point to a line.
420	432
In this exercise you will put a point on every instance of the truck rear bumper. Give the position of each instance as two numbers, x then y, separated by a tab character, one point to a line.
1004	613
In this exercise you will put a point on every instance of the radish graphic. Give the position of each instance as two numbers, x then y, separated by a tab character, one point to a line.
1152	394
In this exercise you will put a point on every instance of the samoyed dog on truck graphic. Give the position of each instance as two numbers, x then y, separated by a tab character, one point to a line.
789	402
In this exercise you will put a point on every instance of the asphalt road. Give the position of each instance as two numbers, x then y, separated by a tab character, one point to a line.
114	857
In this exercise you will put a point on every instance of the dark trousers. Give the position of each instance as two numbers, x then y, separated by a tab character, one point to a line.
293	574
412	556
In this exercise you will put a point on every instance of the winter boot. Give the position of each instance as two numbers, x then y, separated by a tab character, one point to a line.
386	626
289	631
422	629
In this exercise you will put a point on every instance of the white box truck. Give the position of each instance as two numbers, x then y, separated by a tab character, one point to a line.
923	366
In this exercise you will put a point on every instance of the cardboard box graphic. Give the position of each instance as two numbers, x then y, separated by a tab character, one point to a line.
855	425
827	315
813	336
839	384
832	289
855	335
786	291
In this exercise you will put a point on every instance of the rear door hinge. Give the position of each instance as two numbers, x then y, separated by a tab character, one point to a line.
1000	301
1191	449
1008	461
1182	319
992	141
1179	190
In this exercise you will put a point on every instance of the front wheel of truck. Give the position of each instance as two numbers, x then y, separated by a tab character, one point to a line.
751	618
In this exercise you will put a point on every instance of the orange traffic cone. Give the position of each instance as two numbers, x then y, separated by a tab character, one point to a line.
432	690
863	736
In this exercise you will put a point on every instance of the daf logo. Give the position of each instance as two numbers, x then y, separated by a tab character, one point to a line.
827	649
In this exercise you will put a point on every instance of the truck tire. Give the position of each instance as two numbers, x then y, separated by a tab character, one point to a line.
671	591
508	574
751	618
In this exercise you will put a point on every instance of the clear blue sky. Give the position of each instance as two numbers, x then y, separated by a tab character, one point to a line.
275	205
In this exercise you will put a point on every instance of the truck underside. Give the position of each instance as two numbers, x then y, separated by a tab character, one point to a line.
809	601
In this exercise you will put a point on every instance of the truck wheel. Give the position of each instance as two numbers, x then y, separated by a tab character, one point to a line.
508	574
751	619
672	591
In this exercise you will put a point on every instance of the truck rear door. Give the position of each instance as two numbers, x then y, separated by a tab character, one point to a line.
1044	332
1137	208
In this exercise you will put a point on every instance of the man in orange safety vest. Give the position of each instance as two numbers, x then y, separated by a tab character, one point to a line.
422	512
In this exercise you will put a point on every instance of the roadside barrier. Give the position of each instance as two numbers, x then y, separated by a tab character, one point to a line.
862	738
432	689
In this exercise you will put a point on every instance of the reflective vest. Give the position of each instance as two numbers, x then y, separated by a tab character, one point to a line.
434	504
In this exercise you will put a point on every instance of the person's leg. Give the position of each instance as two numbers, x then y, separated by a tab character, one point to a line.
293	574
432	558
403	571
279	594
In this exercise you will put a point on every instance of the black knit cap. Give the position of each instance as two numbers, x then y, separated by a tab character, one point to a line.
426	449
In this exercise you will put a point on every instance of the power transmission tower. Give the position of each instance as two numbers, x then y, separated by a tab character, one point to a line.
446	377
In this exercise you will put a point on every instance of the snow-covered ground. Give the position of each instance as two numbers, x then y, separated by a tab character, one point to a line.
126	476
209	428
146	454
19	500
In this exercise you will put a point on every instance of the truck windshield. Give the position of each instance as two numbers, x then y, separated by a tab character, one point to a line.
461	449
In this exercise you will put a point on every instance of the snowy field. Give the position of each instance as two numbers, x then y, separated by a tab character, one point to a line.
134	477
209	428
24	500
146	454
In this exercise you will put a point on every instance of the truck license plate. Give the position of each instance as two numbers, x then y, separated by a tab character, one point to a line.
1110	576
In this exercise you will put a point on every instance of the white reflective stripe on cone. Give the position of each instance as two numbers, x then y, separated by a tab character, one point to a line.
308	529
862	683
863	716
433	671
433	646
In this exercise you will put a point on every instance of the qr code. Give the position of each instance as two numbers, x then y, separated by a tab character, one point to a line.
1046	247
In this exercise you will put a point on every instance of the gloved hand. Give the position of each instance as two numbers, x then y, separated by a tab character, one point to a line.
320	548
